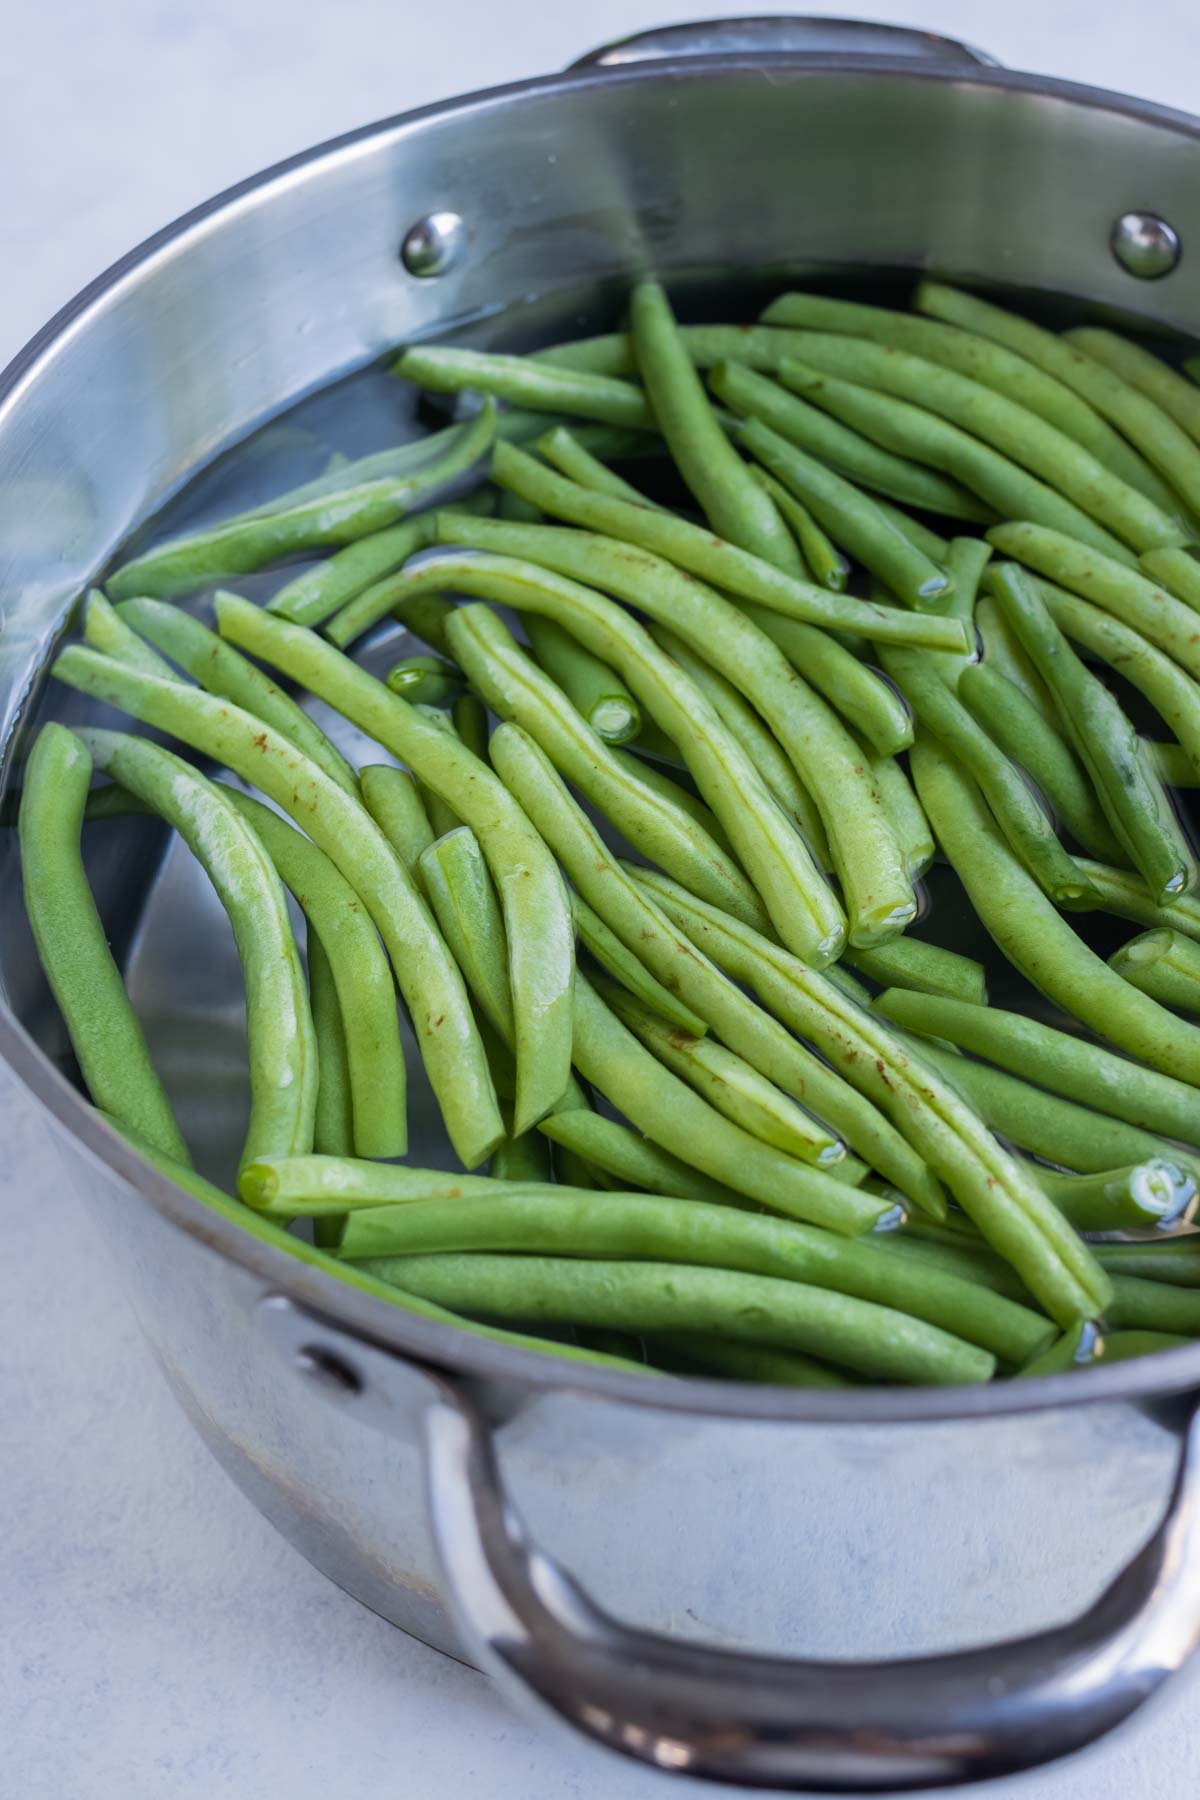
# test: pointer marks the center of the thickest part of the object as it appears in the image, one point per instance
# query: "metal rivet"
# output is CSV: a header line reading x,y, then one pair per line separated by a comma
x,y
328,1371
434,244
1145,245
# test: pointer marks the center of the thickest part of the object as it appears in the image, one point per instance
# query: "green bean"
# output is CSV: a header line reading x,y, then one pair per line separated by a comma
x,y
239,548
1104,739
841,449
447,369
912,431
861,696
655,824
732,1087
469,715
427,974
985,361
1047,1125
634,1160
1055,1059
279,1028
520,1159
733,503
818,553
1172,763
1126,895
904,810
1003,652
424,680
694,1353
726,566
1121,1346
613,354
511,506
371,604
996,1192
1075,1349
1008,427
333,1123
459,887
1141,1305
652,775
1033,937
797,899
966,559
648,1297
911,963
851,517
1160,618
220,670
536,913
592,688
1145,424
1174,1260
1165,965
666,951
563,449
1143,1197
104,629
955,1255
359,970
73,946
757,741
629,970
1141,369
1177,570
1024,824
1014,722
371,1194
879,896
393,800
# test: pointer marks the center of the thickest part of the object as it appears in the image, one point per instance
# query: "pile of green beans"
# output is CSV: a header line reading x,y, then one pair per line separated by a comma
x,y
644,871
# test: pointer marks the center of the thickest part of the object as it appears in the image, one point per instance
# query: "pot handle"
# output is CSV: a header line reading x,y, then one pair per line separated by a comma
x,y
787,35
802,1726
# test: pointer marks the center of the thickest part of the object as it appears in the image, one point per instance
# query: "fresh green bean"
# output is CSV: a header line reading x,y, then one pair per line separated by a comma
x,y
592,688
995,1191
1165,965
1000,421
1161,619
424,680
239,548
633,1160
851,687
1173,764
536,912
279,1027
904,810
851,517
911,963
800,904
723,564
631,972
1177,570
692,1352
985,361
653,775
845,451
220,670
1075,1349
520,1159
104,629
819,554
427,974
878,893
966,559
447,369
1026,828
563,450
1175,1260
1003,652
1055,1059
73,946
371,604
1145,424
1014,722
1141,369
654,823
1140,1305
292,1187
732,1087
359,970
1121,1346
333,1122
470,719
758,742
731,500
1126,896
649,1297
1033,937
459,887
1143,1197
667,952
392,798
912,431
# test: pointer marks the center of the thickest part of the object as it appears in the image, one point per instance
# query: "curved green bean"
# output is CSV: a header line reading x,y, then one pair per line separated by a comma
x,y
534,901
1141,369
1177,570
652,775
72,945
1165,965
649,1297
563,450
279,1029
426,972
911,963
220,670
1124,894
104,629
723,564
631,972
1143,1197
818,553
729,497
593,689
851,687
633,1160
522,381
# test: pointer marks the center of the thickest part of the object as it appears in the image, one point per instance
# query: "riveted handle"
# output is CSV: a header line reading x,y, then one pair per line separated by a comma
x,y
787,35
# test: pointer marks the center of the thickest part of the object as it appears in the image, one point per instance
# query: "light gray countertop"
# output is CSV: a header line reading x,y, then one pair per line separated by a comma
x,y
159,1641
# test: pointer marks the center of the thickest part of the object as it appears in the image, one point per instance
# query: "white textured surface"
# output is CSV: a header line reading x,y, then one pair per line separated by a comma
x,y
158,1641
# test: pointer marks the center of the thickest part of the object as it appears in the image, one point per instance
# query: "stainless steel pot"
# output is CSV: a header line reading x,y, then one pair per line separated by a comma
x,y
447,1482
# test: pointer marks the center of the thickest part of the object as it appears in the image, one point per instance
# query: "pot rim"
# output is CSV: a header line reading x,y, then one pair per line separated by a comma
x,y
390,1326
